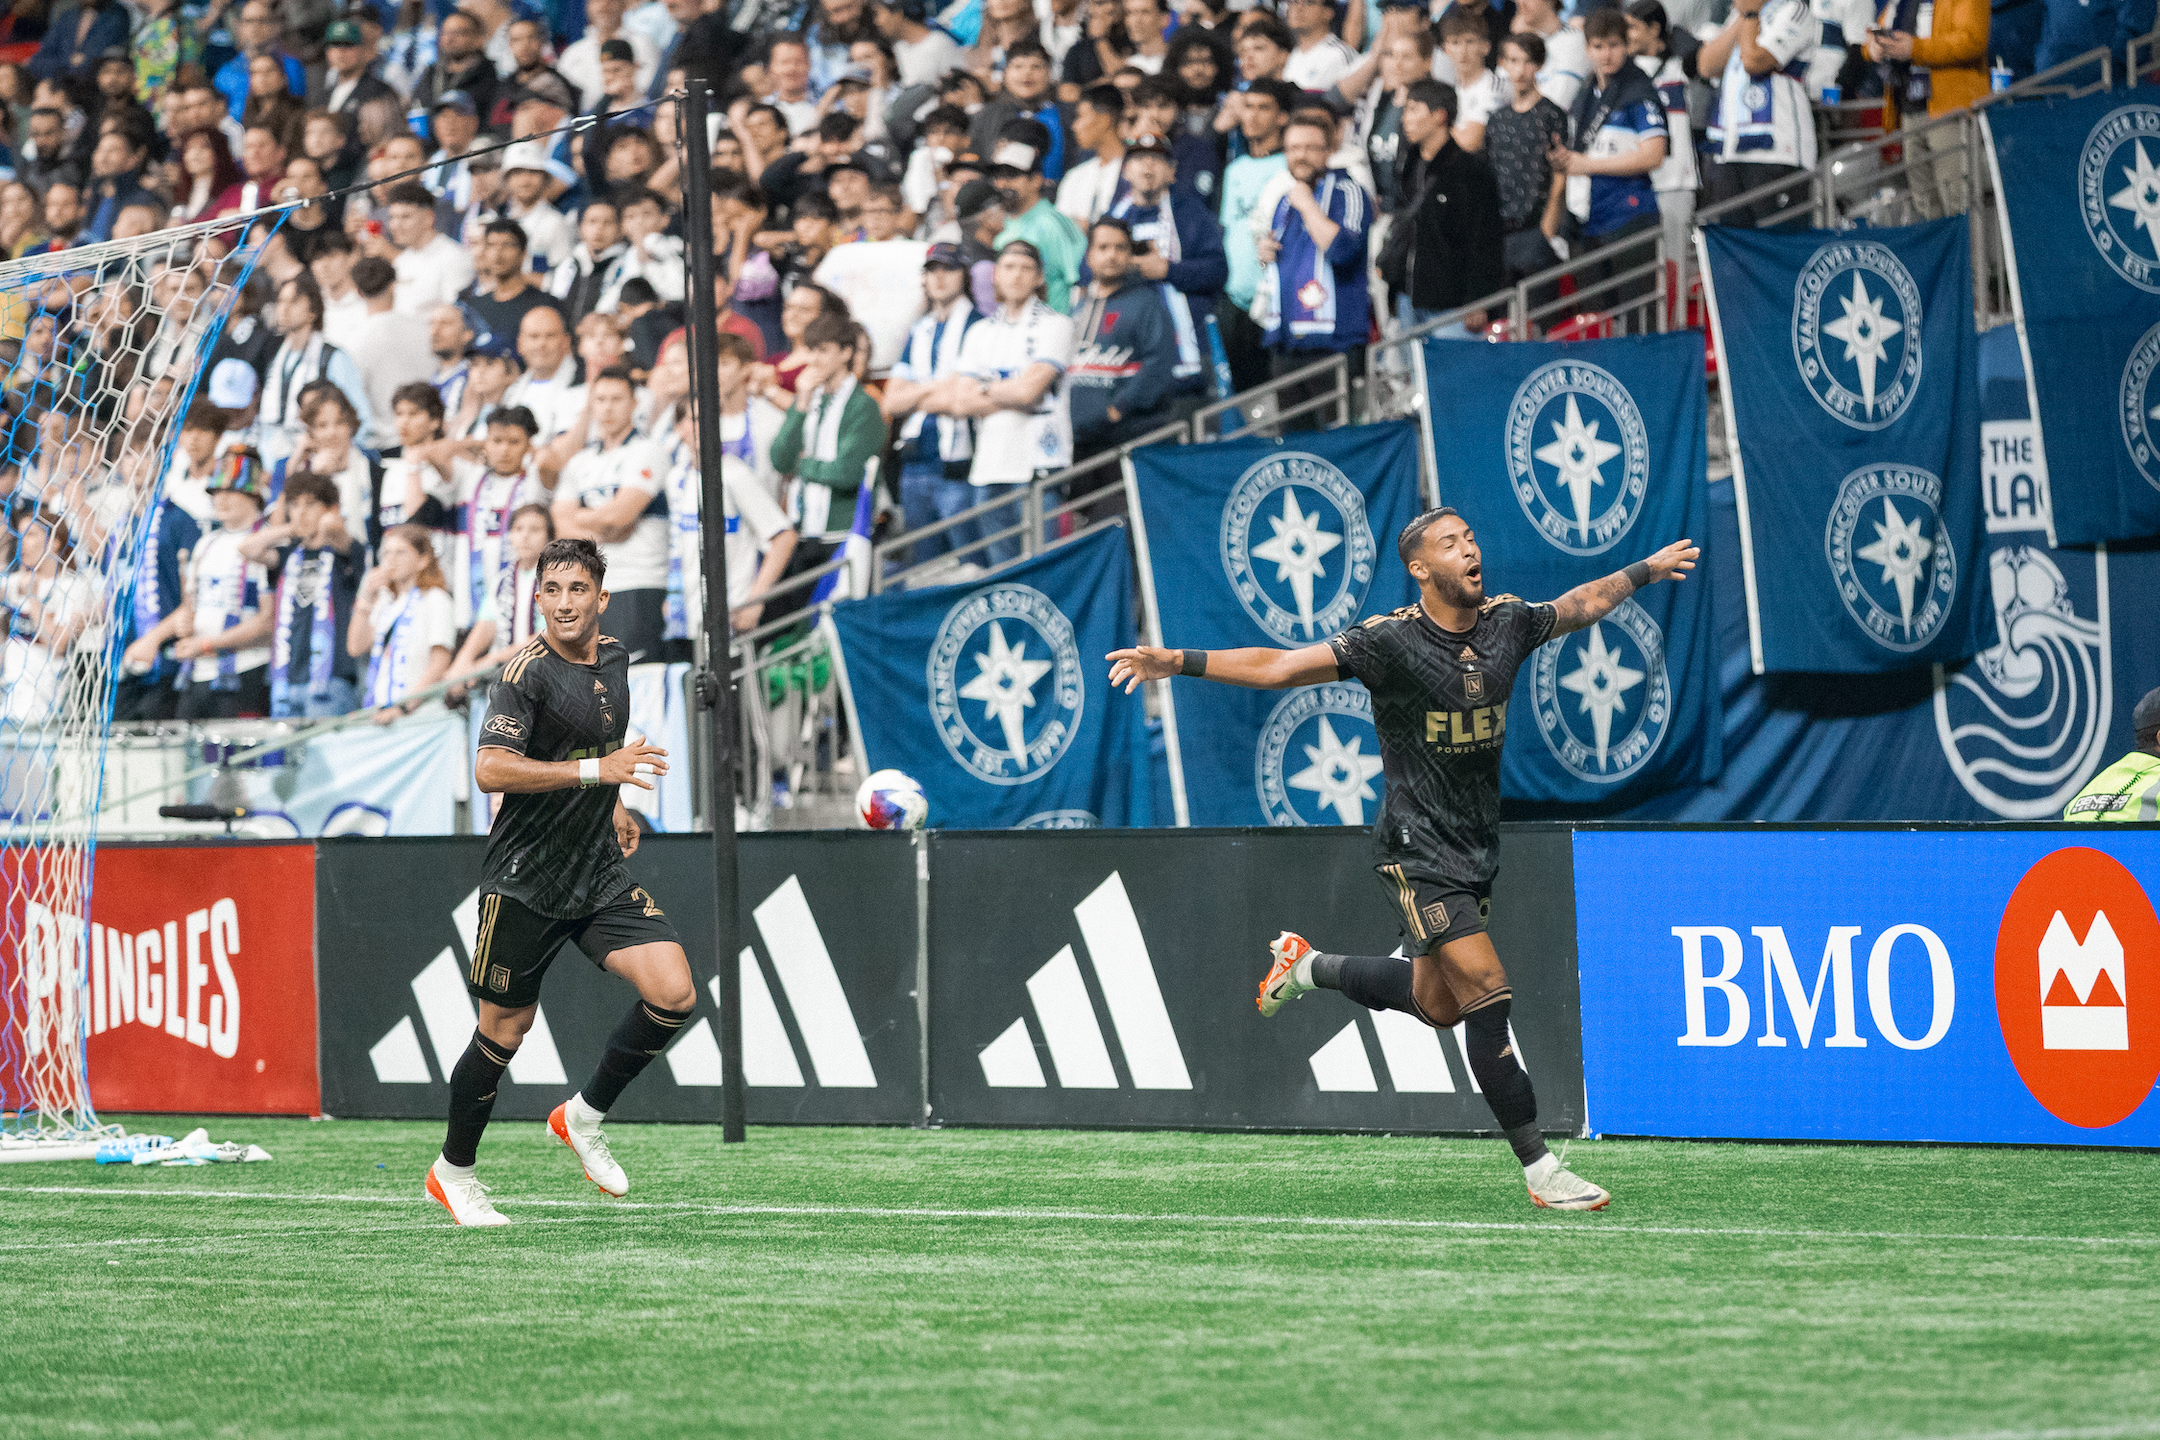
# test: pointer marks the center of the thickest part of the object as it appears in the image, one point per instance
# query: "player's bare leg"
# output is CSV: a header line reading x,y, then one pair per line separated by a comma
x,y
667,997
451,1181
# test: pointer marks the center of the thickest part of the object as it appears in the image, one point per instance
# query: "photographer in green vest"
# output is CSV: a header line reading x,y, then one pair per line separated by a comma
x,y
2128,790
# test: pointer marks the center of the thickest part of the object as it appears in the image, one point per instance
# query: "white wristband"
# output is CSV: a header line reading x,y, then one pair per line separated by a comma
x,y
588,773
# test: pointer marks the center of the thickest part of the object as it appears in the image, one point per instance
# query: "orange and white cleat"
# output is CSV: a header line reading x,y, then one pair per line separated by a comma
x,y
589,1145
1555,1187
1283,983
464,1197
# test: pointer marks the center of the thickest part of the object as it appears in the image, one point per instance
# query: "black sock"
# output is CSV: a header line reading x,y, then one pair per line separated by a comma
x,y
473,1082
643,1033
1378,982
1505,1083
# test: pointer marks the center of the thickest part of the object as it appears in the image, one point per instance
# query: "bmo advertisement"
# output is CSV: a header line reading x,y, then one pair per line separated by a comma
x,y
1967,985
200,972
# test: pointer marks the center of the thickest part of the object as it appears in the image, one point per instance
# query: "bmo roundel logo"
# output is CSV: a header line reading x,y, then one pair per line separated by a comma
x,y
2077,987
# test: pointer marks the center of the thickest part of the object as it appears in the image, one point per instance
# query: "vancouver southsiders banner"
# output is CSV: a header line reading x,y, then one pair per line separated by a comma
x,y
1853,405
2080,187
1571,461
995,696
1276,543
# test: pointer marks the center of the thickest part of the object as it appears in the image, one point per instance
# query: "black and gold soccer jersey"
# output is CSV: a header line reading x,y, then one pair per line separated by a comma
x,y
556,852
1440,704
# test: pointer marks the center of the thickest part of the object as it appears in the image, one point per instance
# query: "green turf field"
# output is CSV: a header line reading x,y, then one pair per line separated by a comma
x,y
934,1283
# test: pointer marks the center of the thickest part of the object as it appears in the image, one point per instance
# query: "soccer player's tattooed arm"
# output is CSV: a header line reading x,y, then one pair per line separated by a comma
x,y
1589,603
1255,669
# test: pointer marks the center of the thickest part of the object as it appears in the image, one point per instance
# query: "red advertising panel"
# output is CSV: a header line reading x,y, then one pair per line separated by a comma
x,y
202,980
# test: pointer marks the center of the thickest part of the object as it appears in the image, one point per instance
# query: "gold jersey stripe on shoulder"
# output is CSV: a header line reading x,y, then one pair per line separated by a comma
x,y
1493,600
609,640
514,671
1408,612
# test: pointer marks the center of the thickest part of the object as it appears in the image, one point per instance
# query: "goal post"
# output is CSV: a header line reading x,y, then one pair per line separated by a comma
x,y
102,350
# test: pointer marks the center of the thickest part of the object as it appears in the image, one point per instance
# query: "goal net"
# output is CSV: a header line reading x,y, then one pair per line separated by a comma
x,y
102,349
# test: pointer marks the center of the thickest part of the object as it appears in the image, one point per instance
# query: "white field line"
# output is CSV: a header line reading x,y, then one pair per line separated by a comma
x,y
1584,1226
226,1238
2073,1432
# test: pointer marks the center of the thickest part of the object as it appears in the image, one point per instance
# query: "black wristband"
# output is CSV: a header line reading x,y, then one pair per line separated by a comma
x,y
1195,662
1638,574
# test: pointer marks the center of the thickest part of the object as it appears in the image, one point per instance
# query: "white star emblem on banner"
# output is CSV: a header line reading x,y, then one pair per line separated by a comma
x,y
1864,329
1006,686
1297,548
1579,455
2141,197
1902,551
1602,682
1339,774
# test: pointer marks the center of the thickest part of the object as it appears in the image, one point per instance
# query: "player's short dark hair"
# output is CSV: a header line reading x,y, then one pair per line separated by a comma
x,y
517,415
1532,46
1413,534
1607,24
1433,95
421,396
307,485
579,552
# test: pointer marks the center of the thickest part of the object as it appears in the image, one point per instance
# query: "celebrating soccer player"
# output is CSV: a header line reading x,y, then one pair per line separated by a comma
x,y
1440,672
553,745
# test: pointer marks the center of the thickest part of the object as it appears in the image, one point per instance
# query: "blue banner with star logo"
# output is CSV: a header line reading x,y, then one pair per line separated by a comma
x,y
1571,461
995,697
2080,185
1279,543
1852,392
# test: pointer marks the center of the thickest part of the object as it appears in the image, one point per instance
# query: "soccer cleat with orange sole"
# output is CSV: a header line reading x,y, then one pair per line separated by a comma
x,y
466,1199
1553,1186
1282,984
591,1149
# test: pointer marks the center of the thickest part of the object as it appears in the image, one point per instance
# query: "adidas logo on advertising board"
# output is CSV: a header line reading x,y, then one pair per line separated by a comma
x,y
1065,1013
808,980
1416,1062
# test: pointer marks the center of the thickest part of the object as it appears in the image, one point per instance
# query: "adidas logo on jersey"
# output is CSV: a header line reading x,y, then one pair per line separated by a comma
x,y
1065,1012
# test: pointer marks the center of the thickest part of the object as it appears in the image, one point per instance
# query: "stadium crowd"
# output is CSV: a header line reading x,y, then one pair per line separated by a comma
x,y
956,248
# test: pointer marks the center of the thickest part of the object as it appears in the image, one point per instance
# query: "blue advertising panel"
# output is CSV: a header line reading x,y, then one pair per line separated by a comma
x,y
1972,986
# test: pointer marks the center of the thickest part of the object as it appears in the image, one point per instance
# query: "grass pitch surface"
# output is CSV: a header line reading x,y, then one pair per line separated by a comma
x,y
897,1283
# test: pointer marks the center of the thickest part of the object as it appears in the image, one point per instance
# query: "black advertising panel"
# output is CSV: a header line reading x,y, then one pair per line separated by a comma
x,y
1096,977
829,951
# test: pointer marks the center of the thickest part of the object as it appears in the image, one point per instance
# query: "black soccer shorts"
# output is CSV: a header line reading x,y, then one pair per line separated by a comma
x,y
1434,912
514,945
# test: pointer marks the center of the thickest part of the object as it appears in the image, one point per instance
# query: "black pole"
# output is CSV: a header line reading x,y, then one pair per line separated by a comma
x,y
715,688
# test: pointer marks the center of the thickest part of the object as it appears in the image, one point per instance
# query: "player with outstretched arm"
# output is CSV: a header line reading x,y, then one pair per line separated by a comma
x,y
554,745
1440,672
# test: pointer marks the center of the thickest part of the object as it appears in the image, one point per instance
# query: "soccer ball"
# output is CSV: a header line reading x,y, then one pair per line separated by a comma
x,y
889,800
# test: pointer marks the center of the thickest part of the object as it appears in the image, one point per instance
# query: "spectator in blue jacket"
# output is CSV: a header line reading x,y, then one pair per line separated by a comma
x,y
1125,349
1313,300
1179,246
77,36
256,33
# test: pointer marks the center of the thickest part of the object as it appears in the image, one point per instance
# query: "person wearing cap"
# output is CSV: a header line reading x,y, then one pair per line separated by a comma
x,y
620,88
1313,299
493,366
924,52
1011,384
349,81
1176,244
455,122
527,174
1016,167
1126,349
235,388
935,450
2129,790
221,633
580,60
460,64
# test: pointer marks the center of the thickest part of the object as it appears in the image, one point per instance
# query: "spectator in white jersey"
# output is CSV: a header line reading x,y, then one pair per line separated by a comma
x,y
510,613
610,493
221,632
389,349
402,623
1763,130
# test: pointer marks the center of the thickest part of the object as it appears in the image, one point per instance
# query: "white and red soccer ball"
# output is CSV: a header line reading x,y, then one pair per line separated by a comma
x,y
890,800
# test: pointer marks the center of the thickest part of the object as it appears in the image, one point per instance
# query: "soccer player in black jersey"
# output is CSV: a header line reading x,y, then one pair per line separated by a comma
x,y
554,745
1440,672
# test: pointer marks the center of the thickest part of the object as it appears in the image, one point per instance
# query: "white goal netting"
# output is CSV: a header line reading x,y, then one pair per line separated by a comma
x,y
102,349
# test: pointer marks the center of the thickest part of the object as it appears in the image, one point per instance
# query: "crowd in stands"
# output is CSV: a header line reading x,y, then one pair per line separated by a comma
x,y
957,249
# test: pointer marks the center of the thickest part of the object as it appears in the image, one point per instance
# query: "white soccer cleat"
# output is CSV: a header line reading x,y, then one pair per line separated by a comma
x,y
1554,1187
591,1149
1282,983
464,1197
